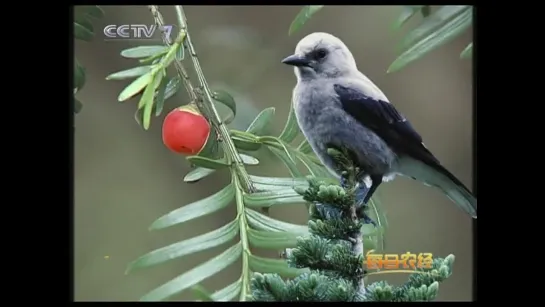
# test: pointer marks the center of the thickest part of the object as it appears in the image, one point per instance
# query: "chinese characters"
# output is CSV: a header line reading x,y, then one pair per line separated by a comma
x,y
396,261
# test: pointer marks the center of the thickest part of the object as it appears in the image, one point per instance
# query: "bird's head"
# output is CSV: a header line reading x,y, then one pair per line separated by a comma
x,y
321,55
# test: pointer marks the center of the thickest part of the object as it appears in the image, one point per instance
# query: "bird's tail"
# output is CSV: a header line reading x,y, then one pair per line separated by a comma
x,y
439,177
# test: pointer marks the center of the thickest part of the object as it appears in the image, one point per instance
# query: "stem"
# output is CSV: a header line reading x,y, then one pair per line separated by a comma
x,y
246,252
223,131
357,249
203,97
356,238
159,21
182,72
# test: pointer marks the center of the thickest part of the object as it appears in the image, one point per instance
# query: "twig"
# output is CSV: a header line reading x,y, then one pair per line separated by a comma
x,y
196,95
357,248
159,21
351,177
228,144
229,148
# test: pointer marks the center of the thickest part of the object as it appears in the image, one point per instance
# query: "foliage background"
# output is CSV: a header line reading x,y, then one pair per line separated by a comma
x,y
125,178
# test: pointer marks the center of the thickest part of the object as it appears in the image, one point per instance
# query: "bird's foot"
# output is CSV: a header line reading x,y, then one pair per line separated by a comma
x,y
368,220
343,182
362,214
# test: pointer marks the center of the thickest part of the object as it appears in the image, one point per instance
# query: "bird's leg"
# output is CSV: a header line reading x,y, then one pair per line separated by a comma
x,y
363,194
360,193
377,180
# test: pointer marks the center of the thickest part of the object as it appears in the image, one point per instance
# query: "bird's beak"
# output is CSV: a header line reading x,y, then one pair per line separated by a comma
x,y
296,60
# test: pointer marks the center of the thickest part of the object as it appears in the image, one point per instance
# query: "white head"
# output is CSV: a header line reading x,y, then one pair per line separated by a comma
x,y
321,55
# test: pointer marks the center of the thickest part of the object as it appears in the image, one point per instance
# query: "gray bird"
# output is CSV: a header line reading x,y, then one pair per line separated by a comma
x,y
337,106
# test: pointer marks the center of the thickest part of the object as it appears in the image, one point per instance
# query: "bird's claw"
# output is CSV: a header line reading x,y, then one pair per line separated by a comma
x,y
343,182
368,220
361,193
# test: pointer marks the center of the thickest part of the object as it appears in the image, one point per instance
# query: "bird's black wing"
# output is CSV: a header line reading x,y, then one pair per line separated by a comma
x,y
383,119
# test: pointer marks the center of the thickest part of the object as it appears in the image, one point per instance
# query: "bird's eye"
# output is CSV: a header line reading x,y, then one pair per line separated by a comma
x,y
320,54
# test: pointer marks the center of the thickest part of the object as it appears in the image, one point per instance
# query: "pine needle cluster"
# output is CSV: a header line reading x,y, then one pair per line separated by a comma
x,y
334,253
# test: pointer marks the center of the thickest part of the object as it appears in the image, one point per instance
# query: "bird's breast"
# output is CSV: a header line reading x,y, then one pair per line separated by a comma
x,y
311,102
331,125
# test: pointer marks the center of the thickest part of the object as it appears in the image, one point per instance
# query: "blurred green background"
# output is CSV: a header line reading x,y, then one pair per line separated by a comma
x,y
125,178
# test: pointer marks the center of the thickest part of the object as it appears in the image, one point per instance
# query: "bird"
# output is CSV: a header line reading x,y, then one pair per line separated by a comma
x,y
337,106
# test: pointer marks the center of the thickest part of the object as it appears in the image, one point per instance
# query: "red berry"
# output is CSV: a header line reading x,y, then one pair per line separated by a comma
x,y
185,130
